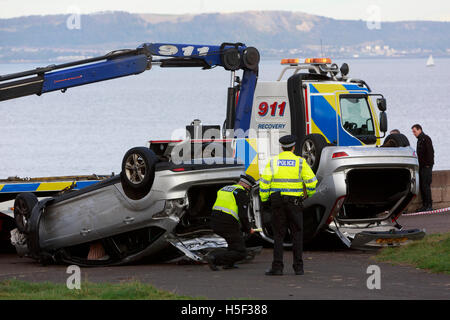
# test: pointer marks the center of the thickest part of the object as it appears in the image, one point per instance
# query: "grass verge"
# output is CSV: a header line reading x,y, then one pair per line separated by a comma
x,y
431,253
21,290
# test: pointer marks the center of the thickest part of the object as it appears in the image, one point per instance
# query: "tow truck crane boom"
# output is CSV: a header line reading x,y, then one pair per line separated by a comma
x,y
121,63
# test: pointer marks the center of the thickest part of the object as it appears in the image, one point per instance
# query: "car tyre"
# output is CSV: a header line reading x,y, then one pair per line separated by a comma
x,y
23,206
138,172
311,149
396,140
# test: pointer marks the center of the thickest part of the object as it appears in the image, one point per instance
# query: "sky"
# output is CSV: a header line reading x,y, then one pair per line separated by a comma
x,y
386,10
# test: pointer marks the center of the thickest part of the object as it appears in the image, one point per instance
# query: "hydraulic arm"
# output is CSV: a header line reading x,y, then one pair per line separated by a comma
x,y
121,63
126,62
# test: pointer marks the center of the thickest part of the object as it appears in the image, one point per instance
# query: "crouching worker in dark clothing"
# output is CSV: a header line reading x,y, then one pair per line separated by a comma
x,y
229,219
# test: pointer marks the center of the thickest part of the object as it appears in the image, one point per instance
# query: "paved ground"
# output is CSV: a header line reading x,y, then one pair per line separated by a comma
x,y
431,223
338,274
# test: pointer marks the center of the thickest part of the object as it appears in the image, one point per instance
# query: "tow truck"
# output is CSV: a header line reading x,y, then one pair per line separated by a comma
x,y
164,193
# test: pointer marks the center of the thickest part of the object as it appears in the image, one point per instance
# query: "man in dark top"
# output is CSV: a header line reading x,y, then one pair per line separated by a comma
x,y
425,153
228,219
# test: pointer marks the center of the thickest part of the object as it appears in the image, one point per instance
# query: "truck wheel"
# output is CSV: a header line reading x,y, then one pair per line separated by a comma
x,y
138,172
311,149
23,205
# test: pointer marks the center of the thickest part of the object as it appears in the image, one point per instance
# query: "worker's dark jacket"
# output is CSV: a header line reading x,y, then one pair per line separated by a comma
x,y
425,151
242,199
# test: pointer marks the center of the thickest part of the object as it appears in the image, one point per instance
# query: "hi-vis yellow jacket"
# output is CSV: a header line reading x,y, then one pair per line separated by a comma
x,y
226,201
287,173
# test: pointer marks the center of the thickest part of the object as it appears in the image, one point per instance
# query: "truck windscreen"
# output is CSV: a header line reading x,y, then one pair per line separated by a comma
x,y
356,117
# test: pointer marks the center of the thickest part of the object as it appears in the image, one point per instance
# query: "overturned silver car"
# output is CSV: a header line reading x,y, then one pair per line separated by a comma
x,y
361,193
137,214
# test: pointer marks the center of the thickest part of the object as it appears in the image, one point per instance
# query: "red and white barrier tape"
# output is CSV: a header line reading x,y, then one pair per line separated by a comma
x,y
443,210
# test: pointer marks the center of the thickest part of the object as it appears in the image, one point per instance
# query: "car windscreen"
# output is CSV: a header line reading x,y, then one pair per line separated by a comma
x,y
356,116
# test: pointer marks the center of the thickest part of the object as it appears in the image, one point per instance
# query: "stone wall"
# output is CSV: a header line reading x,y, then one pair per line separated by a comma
x,y
440,189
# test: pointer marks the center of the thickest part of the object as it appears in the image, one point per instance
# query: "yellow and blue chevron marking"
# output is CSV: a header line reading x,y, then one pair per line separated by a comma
x,y
44,186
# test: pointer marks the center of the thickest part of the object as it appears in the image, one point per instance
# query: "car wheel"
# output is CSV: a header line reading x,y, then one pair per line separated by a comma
x,y
396,140
311,149
138,172
23,205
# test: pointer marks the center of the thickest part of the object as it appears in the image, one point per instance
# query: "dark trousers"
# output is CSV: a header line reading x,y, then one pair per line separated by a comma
x,y
228,228
287,216
425,179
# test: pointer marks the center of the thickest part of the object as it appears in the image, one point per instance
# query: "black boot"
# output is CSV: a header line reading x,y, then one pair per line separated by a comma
x,y
211,263
272,272
422,209
299,272
298,269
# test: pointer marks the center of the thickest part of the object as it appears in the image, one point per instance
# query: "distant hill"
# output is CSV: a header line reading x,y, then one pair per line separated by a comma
x,y
275,33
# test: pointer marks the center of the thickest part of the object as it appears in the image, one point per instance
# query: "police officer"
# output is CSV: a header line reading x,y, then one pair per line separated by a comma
x,y
284,181
228,219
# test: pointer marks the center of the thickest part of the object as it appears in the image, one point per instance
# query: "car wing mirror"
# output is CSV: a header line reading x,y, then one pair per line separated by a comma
x,y
383,123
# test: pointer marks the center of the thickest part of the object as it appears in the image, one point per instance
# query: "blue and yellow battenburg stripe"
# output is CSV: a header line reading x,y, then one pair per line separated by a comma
x,y
44,186
324,98
246,151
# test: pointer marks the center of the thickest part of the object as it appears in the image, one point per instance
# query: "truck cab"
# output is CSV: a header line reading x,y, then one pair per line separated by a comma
x,y
317,107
